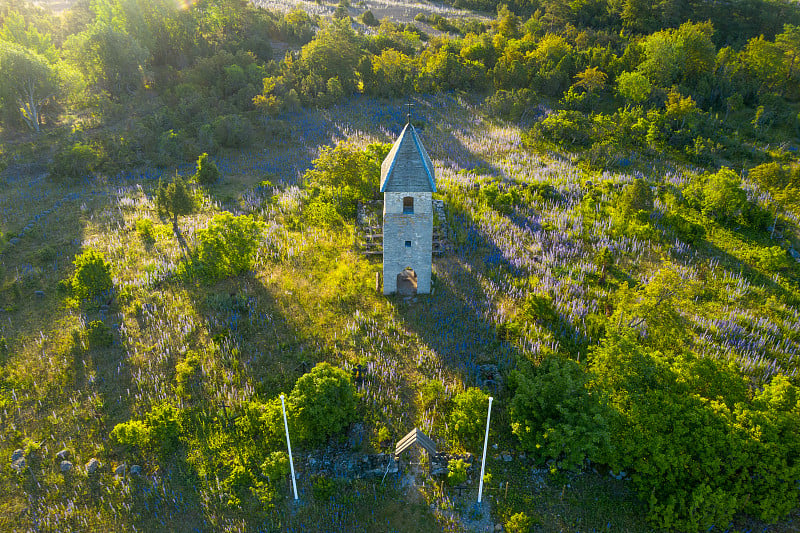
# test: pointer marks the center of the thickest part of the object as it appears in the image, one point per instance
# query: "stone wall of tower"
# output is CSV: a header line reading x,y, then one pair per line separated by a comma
x,y
399,228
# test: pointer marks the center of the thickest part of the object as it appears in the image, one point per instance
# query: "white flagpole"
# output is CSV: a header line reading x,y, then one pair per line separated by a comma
x,y
289,445
485,444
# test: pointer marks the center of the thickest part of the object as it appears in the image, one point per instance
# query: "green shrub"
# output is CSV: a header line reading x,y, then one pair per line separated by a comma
x,y
555,416
686,230
92,274
637,200
145,230
232,131
468,418
207,172
75,162
456,472
323,488
723,197
518,523
159,432
276,466
322,403
174,199
228,246
699,449
98,335
368,19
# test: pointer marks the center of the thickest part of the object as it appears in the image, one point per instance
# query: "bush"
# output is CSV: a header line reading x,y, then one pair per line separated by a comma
x,y
518,523
207,172
723,197
686,230
74,163
159,432
92,274
232,131
554,415
456,472
368,19
228,246
637,200
98,335
699,448
468,419
322,403
144,227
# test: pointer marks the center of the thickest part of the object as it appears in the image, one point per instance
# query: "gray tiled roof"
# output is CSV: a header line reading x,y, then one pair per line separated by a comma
x,y
407,168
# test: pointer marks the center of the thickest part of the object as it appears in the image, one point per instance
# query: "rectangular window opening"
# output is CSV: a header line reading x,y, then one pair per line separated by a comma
x,y
408,244
408,205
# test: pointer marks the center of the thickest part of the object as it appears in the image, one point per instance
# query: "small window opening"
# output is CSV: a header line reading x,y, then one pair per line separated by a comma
x,y
408,244
408,205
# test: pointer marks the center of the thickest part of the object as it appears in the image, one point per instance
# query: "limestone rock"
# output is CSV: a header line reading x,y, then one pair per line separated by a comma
x,y
63,455
136,470
19,465
66,466
18,453
93,465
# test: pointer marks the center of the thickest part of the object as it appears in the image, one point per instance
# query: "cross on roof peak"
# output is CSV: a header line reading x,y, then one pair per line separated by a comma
x,y
408,108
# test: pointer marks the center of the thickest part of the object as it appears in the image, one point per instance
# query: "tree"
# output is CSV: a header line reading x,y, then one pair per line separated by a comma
x,y
591,79
92,275
175,199
207,172
467,421
28,83
228,246
111,59
723,196
637,199
322,403
633,87
554,416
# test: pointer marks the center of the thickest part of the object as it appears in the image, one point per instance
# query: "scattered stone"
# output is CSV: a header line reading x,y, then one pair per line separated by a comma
x,y
92,466
494,446
19,465
66,466
17,454
522,456
136,470
795,254
63,455
506,457
39,294
498,527
14,241
120,470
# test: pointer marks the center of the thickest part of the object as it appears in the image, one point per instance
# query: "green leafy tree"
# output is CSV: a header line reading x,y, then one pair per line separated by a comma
x,y
634,87
27,85
112,59
554,416
322,403
723,196
468,417
228,246
92,275
207,172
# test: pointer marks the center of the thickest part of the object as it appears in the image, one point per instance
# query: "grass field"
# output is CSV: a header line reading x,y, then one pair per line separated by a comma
x,y
312,297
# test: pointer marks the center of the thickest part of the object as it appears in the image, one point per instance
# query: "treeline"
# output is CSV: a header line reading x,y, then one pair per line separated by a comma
x,y
736,21
179,82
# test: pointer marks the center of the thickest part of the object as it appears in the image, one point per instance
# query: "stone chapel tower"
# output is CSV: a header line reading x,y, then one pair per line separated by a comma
x,y
407,183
